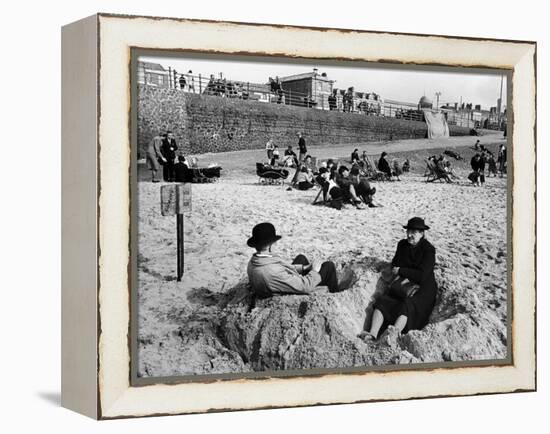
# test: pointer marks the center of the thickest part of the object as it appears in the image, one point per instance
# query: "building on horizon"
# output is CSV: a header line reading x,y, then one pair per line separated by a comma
x,y
152,74
473,116
309,89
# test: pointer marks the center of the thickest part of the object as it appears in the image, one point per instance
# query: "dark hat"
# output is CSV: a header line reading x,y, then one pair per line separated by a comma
x,y
263,233
384,154
342,169
416,223
323,170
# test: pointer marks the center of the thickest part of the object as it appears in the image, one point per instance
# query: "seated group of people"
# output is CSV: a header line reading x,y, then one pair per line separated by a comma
x,y
289,159
391,172
412,289
443,167
340,184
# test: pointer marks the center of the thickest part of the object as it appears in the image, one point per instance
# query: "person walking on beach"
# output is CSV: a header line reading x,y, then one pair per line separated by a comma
x,y
275,159
269,148
269,275
302,147
290,157
169,148
482,164
501,159
475,165
154,157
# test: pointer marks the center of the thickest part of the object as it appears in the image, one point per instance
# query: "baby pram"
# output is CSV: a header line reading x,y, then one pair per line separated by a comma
x,y
210,172
270,175
197,175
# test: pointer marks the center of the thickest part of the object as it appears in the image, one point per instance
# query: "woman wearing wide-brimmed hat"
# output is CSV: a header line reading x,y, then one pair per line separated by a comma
x,y
269,275
412,287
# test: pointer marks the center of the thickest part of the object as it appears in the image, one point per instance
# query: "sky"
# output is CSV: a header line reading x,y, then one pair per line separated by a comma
x,y
401,84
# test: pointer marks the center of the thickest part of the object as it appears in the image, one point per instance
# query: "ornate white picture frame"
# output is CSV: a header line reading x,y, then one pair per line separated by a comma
x,y
96,212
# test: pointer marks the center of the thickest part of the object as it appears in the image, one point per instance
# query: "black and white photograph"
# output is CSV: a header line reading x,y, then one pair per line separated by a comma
x,y
295,216
278,217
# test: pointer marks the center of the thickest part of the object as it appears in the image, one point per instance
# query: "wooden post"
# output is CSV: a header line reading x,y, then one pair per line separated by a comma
x,y
175,199
179,223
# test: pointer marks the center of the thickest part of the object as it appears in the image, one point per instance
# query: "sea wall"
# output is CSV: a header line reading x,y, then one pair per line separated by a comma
x,y
203,123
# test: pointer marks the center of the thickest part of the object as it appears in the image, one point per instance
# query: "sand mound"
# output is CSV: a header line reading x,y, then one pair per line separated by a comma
x,y
232,332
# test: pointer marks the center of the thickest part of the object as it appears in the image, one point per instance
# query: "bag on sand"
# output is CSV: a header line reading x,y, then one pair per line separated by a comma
x,y
401,287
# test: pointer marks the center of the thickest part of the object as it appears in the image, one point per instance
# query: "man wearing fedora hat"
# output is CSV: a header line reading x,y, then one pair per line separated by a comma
x,y
412,265
269,275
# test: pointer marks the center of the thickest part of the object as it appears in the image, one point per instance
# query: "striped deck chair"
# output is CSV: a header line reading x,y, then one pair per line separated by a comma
x,y
435,173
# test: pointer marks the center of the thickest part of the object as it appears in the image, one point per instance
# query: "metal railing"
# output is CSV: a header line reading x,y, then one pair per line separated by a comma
x,y
340,100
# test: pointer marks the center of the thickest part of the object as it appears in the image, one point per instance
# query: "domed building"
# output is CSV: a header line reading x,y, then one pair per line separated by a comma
x,y
425,103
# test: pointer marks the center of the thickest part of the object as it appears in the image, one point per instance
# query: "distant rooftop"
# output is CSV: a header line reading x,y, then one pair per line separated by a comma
x,y
152,66
303,76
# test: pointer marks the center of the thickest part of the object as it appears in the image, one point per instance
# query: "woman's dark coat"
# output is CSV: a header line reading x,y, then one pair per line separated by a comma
x,y
417,264
384,166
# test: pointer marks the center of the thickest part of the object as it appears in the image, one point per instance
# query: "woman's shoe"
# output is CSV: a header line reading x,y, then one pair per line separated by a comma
x,y
366,336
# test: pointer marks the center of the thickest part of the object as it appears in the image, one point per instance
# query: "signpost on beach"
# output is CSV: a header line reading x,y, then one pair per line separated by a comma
x,y
175,199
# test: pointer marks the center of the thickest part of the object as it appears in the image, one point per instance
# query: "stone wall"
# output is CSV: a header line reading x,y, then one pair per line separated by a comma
x,y
213,124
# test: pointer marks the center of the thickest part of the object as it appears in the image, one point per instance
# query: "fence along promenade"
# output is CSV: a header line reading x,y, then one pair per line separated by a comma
x,y
360,103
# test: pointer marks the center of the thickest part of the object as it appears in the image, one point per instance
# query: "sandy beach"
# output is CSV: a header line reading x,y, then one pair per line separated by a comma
x,y
181,324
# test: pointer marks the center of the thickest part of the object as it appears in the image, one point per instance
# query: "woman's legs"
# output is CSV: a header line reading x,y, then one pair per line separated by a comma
x,y
376,323
400,323
378,320
353,194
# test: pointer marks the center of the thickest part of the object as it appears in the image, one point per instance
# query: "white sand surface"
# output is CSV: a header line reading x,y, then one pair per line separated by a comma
x,y
468,229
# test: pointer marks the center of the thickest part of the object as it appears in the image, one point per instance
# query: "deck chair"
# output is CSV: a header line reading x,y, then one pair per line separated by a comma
x,y
435,173
318,201
376,175
270,175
